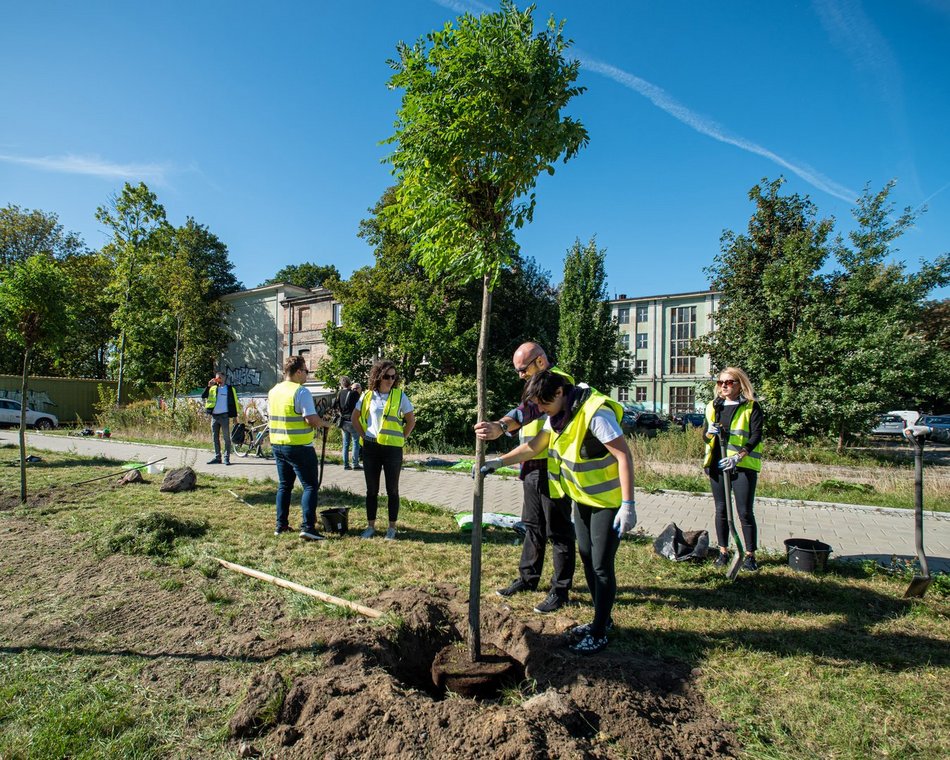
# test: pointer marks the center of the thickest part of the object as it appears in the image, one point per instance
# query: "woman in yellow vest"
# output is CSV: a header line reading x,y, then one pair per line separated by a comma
x,y
383,418
292,418
589,461
735,415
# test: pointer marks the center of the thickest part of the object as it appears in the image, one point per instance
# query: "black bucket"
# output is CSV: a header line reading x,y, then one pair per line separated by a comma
x,y
806,555
335,520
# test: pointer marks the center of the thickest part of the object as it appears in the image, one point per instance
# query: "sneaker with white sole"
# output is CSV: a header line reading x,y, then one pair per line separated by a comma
x,y
517,586
368,533
552,602
282,529
578,632
312,535
589,645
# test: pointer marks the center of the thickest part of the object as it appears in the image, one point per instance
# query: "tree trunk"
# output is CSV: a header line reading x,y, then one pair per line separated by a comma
x,y
175,373
475,581
23,390
118,396
841,437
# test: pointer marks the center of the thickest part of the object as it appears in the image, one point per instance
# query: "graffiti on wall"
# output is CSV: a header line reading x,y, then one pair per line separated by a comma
x,y
39,401
243,376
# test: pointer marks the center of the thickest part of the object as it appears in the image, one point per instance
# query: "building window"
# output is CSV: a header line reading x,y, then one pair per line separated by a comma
x,y
623,364
303,319
640,366
641,340
682,334
682,400
642,313
623,394
625,341
623,315
337,315
641,393
305,353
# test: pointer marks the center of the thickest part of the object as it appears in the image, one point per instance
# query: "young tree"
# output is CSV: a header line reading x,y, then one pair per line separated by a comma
x,y
306,275
480,119
34,298
589,339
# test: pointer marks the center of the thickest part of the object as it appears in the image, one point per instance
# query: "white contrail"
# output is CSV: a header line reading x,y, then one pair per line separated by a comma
x,y
710,128
463,6
92,166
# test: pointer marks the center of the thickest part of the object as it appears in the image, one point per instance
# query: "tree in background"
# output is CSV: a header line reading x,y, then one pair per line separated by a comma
x,y
827,351
588,338
135,218
84,351
34,311
480,119
305,275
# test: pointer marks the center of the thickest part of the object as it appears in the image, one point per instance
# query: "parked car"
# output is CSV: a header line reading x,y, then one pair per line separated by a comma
x,y
10,415
889,424
939,424
909,416
643,423
689,419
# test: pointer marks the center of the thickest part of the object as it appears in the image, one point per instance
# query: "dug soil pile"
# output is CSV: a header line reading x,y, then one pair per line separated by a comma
x,y
371,694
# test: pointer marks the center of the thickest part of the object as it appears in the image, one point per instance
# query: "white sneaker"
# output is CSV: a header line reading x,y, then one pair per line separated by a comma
x,y
368,533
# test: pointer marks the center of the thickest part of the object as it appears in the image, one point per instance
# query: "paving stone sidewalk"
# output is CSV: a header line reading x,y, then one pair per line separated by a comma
x,y
852,531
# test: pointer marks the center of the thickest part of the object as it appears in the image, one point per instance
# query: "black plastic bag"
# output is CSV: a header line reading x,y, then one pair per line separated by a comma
x,y
678,546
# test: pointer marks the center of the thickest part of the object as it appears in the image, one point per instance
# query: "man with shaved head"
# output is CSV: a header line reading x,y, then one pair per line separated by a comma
x,y
544,518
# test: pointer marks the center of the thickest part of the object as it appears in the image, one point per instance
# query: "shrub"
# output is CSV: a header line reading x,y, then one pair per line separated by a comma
x,y
446,411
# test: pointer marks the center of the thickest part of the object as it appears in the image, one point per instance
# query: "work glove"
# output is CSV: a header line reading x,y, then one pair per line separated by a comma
x,y
626,518
913,431
728,464
713,429
489,467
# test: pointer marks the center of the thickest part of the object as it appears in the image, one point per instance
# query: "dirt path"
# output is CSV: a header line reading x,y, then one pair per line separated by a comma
x,y
371,695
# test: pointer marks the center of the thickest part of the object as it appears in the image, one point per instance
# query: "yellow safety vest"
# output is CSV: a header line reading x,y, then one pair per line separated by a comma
x,y
393,423
594,482
527,432
287,427
213,398
738,437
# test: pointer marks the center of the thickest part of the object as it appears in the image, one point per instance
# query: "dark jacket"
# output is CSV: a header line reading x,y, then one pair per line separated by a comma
x,y
232,399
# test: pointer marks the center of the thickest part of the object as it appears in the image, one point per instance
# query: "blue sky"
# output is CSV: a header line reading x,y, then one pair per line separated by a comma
x,y
263,121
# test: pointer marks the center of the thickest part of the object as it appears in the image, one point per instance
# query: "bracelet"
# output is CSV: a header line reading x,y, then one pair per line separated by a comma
x,y
631,502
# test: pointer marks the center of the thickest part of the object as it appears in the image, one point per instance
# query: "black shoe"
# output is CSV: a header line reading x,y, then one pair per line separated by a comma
x,y
283,529
589,645
216,460
552,602
516,587
347,467
227,462
721,560
312,535
578,632
749,564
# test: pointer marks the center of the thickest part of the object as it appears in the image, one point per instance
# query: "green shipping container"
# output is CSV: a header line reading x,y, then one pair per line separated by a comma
x,y
70,399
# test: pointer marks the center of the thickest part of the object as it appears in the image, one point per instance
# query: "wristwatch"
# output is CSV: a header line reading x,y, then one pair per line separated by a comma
x,y
504,426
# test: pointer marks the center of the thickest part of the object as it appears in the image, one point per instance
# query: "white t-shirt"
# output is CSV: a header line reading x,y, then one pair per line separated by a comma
x,y
303,403
377,404
603,425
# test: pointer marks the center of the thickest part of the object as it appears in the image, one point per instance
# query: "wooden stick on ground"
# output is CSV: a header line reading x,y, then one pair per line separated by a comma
x,y
239,498
367,611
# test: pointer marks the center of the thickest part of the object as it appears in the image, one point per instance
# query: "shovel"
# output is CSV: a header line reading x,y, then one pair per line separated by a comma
x,y
733,570
918,586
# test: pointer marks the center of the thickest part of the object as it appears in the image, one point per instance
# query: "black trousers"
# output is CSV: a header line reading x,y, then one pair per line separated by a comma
x,y
743,494
597,543
546,519
379,459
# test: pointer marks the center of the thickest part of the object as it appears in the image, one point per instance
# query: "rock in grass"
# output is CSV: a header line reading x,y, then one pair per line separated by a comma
x,y
132,476
181,479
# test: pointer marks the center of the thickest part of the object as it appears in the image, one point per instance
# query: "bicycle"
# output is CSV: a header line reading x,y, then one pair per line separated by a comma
x,y
248,440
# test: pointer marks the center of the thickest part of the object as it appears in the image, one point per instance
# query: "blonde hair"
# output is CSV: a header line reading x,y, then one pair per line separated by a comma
x,y
744,383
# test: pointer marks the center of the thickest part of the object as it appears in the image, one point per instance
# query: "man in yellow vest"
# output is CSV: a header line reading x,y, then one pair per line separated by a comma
x,y
221,403
292,418
543,517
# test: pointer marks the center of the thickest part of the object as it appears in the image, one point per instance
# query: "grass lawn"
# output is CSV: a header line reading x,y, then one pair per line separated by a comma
x,y
830,666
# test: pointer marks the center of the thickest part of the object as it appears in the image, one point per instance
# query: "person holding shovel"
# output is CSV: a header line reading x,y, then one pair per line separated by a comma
x,y
544,518
292,419
736,417
590,462
383,419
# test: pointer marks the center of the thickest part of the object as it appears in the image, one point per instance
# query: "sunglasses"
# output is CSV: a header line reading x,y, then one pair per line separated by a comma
x,y
390,376
522,370
727,382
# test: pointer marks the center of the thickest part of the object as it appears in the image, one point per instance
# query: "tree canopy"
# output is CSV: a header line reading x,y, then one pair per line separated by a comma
x,y
306,275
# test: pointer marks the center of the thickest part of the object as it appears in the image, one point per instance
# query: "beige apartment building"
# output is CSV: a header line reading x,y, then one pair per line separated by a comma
x,y
658,331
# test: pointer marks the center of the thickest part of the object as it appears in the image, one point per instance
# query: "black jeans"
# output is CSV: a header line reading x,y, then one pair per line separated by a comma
x,y
377,459
743,494
546,518
597,542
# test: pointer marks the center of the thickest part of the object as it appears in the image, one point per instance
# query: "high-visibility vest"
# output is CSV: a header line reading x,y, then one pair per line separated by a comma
x,y
287,426
391,433
594,482
527,432
738,437
213,398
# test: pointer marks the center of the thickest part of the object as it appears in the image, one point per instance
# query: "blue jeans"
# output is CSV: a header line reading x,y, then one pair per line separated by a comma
x,y
296,462
350,436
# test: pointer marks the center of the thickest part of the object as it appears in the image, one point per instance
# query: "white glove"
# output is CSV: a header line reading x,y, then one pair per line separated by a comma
x,y
912,431
489,467
713,429
626,518
728,464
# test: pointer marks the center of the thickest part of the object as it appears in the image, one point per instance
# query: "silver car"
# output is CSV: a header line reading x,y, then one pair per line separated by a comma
x,y
889,424
10,415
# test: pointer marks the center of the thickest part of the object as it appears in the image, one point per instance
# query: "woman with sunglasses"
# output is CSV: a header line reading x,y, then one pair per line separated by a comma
x,y
383,419
737,417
